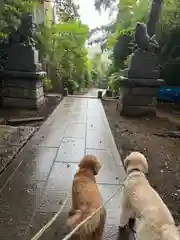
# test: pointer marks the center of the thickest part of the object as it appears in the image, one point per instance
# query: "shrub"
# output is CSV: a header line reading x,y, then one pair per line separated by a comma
x,y
113,83
47,85
72,86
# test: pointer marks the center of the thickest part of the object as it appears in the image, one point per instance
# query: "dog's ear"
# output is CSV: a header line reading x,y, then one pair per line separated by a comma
x,y
90,162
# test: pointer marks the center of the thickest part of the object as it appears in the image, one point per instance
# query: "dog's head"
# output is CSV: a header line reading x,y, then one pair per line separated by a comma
x,y
136,161
90,162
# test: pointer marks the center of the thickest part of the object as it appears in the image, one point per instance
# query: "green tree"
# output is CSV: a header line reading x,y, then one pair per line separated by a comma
x,y
67,10
98,69
168,34
62,47
10,14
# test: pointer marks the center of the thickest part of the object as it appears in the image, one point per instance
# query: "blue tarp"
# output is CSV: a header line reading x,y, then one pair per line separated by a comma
x,y
169,93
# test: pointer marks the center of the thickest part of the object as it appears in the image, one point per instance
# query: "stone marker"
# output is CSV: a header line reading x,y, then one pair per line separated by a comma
x,y
140,83
65,92
21,76
100,94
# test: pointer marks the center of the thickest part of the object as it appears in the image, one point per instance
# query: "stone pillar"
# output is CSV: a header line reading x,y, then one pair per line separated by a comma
x,y
22,73
22,89
139,85
99,95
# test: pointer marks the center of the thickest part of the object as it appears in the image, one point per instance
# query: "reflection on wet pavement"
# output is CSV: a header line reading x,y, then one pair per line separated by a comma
x,y
42,173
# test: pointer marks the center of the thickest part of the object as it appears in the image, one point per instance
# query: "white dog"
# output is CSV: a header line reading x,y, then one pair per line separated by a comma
x,y
140,200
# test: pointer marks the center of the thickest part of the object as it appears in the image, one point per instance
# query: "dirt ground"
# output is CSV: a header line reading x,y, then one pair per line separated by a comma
x,y
163,153
51,101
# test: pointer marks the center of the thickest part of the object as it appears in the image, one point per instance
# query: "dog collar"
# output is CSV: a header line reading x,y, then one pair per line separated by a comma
x,y
134,170
137,170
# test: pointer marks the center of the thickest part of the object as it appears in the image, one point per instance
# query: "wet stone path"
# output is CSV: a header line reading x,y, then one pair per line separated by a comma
x,y
41,174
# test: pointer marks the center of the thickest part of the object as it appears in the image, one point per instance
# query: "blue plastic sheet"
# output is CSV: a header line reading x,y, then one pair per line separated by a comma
x,y
167,93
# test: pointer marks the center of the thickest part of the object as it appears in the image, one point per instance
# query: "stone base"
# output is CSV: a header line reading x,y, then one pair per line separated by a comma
x,y
15,92
22,93
9,102
139,85
138,111
137,101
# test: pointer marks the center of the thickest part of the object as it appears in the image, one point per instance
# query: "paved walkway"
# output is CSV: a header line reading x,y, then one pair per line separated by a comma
x,y
43,171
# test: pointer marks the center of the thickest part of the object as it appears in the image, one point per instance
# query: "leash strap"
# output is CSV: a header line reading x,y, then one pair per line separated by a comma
x,y
42,230
68,236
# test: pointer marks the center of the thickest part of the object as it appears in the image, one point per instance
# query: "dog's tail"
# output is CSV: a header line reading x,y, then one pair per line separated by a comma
x,y
90,225
74,219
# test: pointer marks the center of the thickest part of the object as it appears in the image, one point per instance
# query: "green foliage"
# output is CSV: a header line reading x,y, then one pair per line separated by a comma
x,y
104,4
168,34
126,62
47,84
10,14
168,31
113,82
129,13
98,69
62,47
67,10
72,86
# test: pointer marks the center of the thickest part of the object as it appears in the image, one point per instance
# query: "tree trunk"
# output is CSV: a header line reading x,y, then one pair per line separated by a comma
x,y
153,16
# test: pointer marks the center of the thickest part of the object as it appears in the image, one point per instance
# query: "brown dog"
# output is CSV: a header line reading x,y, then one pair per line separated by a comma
x,y
86,199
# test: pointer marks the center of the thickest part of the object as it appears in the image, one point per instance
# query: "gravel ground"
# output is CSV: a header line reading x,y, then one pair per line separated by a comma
x,y
163,153
51,102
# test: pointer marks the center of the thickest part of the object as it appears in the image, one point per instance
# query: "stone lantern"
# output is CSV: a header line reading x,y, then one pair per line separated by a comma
x,y
140,81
